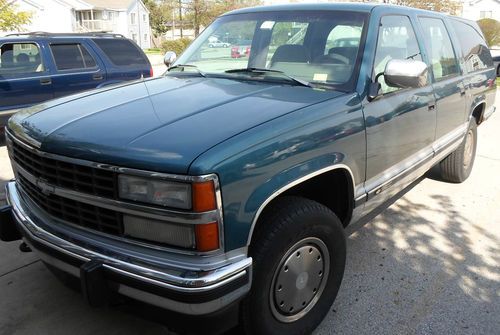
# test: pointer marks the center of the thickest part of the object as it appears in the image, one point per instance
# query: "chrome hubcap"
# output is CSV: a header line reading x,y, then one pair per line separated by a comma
x,y
468,149
299,280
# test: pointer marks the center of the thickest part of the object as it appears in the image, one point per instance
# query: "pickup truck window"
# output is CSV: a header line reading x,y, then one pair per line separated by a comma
x,y
296,43
396,40
474,49
71,56
20,58
438,44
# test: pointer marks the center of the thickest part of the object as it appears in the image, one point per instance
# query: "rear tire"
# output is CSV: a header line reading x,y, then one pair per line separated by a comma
x,y
299,258
457,167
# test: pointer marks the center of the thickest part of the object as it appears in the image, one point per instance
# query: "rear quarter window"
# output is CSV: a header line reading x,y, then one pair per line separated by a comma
x,y
121,52
474,49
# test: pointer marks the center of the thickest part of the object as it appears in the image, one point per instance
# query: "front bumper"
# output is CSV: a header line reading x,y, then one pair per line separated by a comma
x,y
192,292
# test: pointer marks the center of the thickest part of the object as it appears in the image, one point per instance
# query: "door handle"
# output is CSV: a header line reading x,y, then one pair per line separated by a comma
x,y
45,81
97,76
431,107
462,93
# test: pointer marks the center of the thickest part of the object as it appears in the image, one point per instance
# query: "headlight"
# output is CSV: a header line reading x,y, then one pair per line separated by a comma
x,y
157,192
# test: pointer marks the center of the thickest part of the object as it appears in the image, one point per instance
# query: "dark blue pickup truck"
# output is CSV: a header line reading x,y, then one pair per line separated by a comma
x,y
35,67
225,185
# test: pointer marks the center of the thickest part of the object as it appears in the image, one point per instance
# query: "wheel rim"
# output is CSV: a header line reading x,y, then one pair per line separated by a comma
x,y
468,149
299,280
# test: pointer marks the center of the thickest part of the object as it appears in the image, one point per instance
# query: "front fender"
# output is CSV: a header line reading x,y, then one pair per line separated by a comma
x,y
257,165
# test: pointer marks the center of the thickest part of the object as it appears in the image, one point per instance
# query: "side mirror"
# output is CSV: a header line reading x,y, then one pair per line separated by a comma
x,y
405,73
169,58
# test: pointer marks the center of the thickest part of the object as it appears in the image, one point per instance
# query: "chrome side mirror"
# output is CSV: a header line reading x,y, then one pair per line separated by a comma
x,y
169,58
405,73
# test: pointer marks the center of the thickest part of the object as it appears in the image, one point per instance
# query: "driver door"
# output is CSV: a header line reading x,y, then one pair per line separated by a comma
x,y
400,123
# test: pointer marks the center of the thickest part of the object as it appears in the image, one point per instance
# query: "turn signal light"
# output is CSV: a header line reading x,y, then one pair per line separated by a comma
x,y
207,237
204,199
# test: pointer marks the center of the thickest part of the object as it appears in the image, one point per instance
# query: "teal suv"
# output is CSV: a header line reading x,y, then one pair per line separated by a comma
x,y
224,186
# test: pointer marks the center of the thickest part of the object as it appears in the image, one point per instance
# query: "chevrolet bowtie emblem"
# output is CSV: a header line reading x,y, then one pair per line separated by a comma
x,y
45,187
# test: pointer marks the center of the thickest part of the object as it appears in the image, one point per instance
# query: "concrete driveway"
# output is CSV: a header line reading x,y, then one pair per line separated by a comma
x,y
429,264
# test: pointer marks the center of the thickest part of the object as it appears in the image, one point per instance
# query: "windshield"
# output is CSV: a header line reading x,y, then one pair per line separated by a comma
x,y
317,48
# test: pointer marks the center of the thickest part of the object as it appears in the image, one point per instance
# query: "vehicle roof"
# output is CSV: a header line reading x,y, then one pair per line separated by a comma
x,y
364,7
54,36
347,6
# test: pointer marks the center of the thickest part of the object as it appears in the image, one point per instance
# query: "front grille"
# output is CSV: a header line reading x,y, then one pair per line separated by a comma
x,y
67,175
74,212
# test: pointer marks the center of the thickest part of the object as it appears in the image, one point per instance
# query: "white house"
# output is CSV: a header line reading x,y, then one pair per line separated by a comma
x,y
481,9
127,17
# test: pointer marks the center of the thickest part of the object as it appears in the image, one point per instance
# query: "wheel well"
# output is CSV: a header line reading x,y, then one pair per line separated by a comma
x,y
333,189
477,113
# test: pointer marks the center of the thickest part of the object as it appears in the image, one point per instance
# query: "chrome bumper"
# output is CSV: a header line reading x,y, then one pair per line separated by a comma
x,y
187,292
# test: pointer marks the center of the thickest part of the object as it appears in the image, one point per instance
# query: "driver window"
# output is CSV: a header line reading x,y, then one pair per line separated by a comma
x,y
396,40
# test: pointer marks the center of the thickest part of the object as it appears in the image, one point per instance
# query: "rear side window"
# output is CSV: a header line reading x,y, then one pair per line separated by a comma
x,y
438,44
19,58
476,54
396,40
71,56
121,52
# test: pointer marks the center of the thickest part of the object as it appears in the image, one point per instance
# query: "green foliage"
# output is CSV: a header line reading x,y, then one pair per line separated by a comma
x,y
178,45
10,18
160,12
491,31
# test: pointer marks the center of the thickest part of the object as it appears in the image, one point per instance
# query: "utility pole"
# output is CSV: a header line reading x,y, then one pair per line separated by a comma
x,y
180,17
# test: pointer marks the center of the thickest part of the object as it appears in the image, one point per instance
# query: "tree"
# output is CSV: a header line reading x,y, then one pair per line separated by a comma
x,y
10,18
203,12
491,31
444,6
160,13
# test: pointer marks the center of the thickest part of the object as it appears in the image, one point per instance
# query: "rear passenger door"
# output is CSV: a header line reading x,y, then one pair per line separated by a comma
x,y
448,85
400,123
77,68
24,76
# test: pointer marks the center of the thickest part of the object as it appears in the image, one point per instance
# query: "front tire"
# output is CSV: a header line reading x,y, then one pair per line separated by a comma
x,y
299,259
457,167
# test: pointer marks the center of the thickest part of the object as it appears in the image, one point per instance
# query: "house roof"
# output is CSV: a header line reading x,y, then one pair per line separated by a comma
x,y
109,4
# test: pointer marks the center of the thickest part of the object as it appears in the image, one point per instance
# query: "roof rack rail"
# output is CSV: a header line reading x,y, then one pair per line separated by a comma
x,y
93,34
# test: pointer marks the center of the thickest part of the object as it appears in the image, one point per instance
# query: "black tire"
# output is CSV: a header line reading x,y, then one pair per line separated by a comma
x,y
289,221
457,167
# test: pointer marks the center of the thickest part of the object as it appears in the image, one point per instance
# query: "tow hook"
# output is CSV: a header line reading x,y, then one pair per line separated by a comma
x,y
24,247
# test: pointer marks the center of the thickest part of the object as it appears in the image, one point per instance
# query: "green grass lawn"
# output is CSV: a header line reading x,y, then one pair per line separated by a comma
x,y
153,51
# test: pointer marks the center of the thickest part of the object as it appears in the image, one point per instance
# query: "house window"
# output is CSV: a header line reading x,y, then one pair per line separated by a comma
x,y
145,37
134,37
143,17
486,14
132,18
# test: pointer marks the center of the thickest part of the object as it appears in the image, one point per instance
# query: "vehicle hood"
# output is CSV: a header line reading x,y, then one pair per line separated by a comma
x,y
161,124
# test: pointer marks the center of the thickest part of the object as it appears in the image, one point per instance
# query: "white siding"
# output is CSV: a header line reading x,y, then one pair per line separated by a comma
x,y
140,29
476,10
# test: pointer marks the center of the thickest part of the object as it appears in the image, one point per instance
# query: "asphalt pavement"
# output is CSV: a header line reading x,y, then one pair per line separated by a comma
x,y
428,264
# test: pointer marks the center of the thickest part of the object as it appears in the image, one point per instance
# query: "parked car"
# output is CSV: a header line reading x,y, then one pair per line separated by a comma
x,y
223,192
35,67
218,44
242,49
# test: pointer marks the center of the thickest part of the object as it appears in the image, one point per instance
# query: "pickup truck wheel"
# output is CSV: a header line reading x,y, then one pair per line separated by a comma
x,y
299,260
457,167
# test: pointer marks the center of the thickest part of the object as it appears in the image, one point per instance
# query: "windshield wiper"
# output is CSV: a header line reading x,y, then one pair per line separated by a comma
x,y
281,73
181,67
